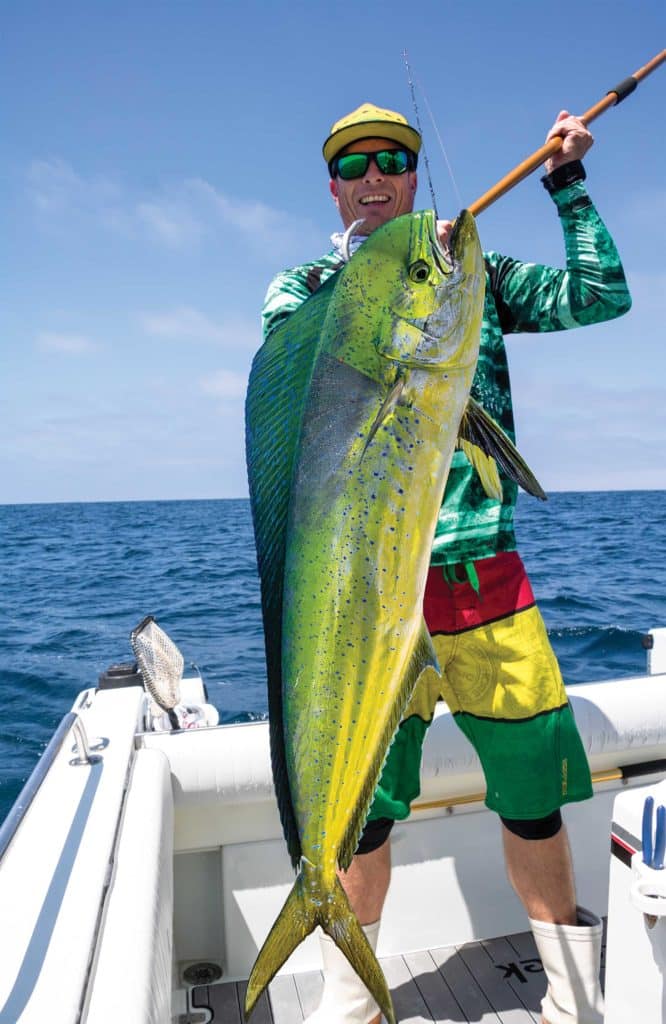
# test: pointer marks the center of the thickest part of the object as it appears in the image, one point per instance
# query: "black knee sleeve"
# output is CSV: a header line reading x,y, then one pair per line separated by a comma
x,y
537,828
375,835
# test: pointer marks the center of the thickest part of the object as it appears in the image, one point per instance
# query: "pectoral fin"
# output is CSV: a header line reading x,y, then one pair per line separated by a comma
x,y
484,442
485,466
387,407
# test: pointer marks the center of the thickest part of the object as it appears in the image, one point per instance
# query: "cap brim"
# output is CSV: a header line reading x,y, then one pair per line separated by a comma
x,y
403,134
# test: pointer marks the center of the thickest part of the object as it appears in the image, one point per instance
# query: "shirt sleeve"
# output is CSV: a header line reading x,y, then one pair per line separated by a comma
x,y
285,294
591,289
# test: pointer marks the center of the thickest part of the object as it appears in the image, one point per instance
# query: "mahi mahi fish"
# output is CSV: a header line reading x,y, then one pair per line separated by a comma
x,y
353,413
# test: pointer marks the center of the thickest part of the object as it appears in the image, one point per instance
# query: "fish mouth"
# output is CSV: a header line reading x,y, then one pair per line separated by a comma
x,y
442,254
460,222
446,257
440,332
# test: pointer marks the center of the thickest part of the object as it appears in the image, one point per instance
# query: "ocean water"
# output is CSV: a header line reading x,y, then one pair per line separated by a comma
x,y
76,578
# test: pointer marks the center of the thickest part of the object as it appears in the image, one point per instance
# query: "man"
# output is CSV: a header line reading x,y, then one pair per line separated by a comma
x,y
500,677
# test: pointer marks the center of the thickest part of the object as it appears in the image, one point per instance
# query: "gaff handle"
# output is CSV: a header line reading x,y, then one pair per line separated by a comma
x,y
611,99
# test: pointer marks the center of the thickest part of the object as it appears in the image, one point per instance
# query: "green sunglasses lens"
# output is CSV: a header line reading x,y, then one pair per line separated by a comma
x,y
392,161
353,165
389,161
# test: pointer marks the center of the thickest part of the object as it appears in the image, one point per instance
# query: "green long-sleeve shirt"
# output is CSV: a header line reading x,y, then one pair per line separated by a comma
x,y
519,297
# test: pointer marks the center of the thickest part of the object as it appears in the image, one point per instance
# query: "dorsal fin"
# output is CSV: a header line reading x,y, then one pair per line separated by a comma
x,y
277,389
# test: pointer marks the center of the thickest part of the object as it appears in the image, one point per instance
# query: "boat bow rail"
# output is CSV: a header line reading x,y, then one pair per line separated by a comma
x,y
71,723
58,860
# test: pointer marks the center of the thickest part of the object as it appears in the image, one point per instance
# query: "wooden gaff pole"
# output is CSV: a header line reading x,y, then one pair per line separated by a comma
x,y
611,99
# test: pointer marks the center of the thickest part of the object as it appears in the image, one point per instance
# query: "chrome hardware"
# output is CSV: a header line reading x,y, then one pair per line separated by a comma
x,y
11,824
83,746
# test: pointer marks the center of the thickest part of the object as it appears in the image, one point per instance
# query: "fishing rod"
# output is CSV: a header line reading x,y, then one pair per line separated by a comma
x,y
611,99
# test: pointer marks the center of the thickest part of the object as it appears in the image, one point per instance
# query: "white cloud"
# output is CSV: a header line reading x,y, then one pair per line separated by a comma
x,y
55,187
184,323
66,344
634,412
170,222
588,437
252,217
178,214
225,384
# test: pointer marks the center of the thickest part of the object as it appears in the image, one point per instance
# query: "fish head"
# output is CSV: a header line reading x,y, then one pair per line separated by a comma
x,y
404,300
436,306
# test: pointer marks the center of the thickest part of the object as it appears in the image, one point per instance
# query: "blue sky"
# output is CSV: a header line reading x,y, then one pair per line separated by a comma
x,y
162,161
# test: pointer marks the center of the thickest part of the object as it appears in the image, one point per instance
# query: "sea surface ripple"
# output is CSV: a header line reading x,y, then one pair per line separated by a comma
x,y
78,577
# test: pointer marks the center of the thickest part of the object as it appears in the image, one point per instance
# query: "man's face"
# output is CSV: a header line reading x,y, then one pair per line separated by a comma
x,y
375,197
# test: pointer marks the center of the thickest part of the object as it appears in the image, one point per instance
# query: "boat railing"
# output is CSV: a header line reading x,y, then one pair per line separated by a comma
x,y
71,723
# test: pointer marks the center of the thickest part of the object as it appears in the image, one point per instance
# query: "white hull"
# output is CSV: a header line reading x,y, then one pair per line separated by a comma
x,y
168,852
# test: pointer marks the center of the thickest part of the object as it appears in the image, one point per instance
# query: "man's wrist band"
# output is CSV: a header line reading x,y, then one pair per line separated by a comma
x,y
564,175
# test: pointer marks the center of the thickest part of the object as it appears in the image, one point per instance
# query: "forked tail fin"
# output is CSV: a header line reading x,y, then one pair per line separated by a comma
x,y
308,905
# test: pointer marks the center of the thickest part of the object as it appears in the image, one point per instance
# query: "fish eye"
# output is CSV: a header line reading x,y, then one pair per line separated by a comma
x,y
419,272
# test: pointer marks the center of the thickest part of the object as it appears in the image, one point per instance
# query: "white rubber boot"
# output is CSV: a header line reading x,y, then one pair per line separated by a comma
x,y
346,1000
571,956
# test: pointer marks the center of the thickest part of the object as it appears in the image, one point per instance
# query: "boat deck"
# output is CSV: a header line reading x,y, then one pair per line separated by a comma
x,y
499,980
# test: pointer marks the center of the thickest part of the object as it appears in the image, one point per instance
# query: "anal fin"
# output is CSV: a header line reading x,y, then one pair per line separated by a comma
x,y
423,656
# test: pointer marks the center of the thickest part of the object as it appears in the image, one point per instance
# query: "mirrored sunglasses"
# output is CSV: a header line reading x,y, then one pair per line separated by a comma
x,y
389,161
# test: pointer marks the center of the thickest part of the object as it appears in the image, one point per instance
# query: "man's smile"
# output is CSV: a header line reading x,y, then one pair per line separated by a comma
x,y
364,200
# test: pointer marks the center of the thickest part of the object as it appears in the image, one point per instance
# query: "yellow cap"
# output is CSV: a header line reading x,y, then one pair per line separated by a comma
x,y
369,121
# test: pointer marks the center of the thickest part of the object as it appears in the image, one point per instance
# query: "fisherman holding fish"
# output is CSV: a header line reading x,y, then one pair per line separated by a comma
x,y
499,675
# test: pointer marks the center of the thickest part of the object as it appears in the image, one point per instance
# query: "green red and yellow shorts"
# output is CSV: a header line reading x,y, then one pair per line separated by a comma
x,y
501,681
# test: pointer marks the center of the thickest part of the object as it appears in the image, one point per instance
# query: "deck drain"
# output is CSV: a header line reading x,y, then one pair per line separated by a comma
x,y
202,974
